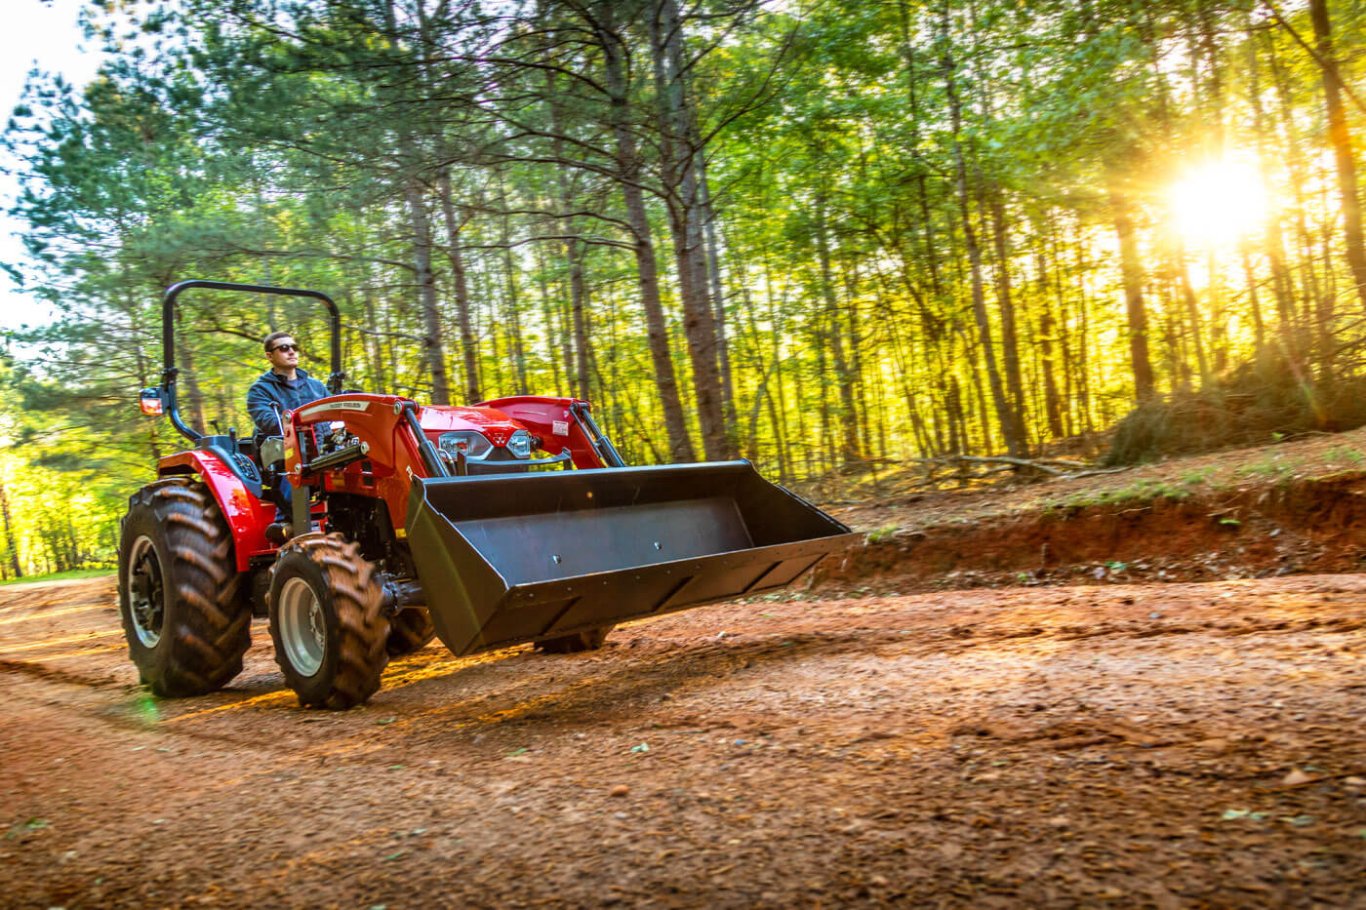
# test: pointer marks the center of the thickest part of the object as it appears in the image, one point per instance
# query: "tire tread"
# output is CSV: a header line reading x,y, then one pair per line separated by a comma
x,y
209,627
361,655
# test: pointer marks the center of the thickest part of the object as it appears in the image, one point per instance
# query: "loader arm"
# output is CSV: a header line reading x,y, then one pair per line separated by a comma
x,y
517,557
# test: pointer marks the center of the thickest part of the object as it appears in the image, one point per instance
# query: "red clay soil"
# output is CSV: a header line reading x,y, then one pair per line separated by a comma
x,y
1252,513
1061,743
1313,526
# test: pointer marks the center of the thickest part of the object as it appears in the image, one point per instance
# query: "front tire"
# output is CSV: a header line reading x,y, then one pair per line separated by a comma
x,y
326,621
409,631
181,599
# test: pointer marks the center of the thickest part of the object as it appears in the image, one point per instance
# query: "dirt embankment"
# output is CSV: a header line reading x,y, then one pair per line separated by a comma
x,y
1289,509
1316,525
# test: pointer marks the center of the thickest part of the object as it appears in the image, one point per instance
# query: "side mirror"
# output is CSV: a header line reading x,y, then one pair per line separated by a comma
x,y
149,400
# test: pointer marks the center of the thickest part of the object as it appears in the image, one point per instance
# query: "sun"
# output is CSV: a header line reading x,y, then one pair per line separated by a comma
x,y
1218,203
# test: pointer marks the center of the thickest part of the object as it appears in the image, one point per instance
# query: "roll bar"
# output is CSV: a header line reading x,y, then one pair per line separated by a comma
x,y
169,372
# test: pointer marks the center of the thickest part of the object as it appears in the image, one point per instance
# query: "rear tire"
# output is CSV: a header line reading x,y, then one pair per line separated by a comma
x,y
409,631
576,643
326,621
181,599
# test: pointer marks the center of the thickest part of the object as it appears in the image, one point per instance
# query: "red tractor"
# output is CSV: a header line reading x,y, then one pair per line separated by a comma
x,y
514,520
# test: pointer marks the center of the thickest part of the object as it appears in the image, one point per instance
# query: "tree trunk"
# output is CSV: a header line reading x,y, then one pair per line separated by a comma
x,y
573,253
647,266
513,303
926,225
1010,347
1192,313
1258,326
846,428
1131,271
1047,327
1341,139
414,195
685,216
718,298
1282,284
190,400
578,306
11,546
433,343
1297,169
460,280
558,355
1083,361
1004,415
778,410
953,404
372,339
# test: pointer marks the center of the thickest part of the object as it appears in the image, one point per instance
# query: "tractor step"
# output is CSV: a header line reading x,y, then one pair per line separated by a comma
x,y
517,558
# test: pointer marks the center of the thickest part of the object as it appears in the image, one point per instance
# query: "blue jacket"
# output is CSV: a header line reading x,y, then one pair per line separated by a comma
x,y
270,388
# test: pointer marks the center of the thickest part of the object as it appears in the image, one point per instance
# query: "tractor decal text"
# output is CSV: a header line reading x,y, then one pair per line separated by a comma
x,y
335,405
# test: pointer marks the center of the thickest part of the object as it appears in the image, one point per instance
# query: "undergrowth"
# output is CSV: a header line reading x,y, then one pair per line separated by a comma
x,y
60,576
1261,402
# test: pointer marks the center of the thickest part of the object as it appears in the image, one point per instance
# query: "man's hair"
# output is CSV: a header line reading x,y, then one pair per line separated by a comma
x,y
274,337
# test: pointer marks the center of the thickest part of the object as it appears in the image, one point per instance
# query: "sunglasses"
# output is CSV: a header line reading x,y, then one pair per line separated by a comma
x,y
284,347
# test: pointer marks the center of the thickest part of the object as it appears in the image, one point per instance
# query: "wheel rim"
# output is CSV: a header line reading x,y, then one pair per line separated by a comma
x,y
146,592
303,627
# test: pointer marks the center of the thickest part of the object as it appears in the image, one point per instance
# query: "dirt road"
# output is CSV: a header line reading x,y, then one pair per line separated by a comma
x,y
1181,745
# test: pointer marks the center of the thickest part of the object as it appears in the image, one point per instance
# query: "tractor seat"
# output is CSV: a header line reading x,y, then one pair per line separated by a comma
x,y
237,459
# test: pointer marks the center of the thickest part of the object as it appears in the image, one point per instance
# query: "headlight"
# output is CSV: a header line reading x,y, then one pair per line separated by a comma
x,y
473,444
520,444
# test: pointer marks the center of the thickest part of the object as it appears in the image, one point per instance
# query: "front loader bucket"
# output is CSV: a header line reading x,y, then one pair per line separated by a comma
x,y
515,558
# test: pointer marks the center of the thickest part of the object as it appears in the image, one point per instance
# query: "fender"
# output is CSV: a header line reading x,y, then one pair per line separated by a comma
x,y
246,515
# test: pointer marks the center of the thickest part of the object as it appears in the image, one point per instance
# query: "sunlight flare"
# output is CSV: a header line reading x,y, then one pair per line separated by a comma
x,y
1218,203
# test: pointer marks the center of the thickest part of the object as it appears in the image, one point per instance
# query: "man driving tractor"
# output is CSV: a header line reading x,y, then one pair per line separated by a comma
x,y
284,387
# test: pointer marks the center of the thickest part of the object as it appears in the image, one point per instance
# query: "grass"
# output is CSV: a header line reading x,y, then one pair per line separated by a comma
x,y
59,576
1143,490
887,532
1198,477
1269,467
1275,467
1348,454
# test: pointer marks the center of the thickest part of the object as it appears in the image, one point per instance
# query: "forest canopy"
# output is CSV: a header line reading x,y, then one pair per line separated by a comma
x,y
828,235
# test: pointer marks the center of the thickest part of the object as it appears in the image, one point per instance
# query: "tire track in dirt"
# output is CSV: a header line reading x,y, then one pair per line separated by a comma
x,y
45,673
658,664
